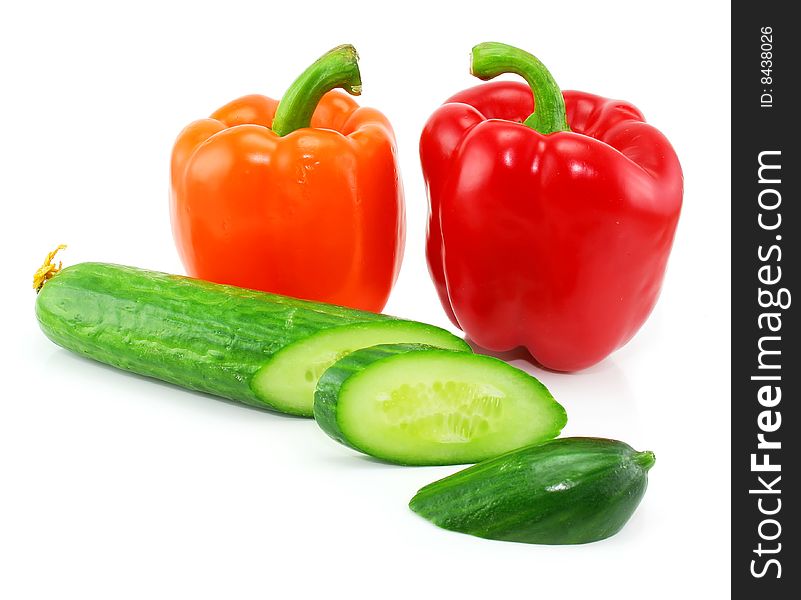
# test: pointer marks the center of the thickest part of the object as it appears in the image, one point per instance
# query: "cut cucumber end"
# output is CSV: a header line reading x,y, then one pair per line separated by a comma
x,y
417,405
287,382
563,491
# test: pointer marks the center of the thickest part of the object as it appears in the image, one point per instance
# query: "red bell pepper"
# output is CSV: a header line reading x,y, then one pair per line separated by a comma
x,y
549,227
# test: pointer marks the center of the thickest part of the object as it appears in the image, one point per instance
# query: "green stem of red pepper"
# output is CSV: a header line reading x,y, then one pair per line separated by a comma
x,y
490,59
337,68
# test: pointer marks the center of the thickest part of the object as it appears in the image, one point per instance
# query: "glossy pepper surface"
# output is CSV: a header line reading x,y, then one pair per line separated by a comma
x,y
551,215
301,197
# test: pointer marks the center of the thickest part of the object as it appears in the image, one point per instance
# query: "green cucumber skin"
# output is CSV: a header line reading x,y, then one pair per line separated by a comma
x,y
199,335
327,392
565,491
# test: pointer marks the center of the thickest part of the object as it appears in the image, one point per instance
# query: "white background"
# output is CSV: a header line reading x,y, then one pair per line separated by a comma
x,y
114,486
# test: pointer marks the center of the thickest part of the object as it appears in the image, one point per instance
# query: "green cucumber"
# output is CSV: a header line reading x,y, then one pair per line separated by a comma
x,y
566,491
261,349
417,405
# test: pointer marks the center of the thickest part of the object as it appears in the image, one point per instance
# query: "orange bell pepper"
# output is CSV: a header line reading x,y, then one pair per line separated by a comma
x,y
301,197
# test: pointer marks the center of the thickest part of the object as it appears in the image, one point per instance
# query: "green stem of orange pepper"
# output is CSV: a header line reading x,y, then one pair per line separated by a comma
x,y
337,68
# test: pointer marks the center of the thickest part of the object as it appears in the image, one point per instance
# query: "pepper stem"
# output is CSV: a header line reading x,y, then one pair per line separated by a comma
x,y
490,59
337,68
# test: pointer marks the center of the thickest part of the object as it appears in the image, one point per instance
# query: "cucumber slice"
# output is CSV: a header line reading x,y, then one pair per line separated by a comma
x,y
565,491
417,405
290,377
257,348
